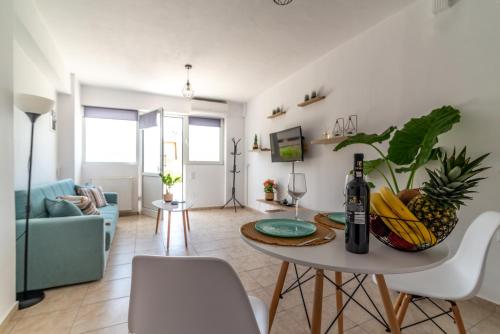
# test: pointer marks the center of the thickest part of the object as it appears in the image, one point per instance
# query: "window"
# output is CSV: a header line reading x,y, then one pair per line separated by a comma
x,y
205,140
110,135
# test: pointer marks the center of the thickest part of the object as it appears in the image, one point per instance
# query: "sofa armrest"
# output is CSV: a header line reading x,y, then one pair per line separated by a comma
x,y
61,250
111,197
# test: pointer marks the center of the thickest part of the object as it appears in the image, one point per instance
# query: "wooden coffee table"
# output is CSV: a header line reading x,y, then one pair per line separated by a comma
x,y
168,206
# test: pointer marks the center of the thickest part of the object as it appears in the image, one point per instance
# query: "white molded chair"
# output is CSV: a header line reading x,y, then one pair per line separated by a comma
x,y
458,278
189,295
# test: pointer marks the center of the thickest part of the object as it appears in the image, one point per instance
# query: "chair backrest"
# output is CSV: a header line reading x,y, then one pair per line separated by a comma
x,y
471,256
186,295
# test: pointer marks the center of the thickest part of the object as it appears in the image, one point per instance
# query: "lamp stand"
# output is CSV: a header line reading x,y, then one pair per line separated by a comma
x,y
29,298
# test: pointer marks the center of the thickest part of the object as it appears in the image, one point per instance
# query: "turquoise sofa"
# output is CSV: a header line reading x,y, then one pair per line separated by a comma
x,y
65,250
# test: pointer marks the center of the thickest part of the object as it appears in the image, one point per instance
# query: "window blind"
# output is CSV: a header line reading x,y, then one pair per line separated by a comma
x,y
110,113
148,120
205,121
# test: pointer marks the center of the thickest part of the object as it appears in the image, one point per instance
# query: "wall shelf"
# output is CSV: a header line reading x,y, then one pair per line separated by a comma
x,y
281,113
326,141
261,150
311,101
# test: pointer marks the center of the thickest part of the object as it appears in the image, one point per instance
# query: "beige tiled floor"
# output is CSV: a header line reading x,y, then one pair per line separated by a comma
x,y
101,307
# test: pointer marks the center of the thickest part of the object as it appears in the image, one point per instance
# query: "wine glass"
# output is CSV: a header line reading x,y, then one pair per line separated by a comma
x,y
297,189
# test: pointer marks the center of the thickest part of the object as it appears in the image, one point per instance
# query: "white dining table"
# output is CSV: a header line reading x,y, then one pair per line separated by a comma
x,y
381,260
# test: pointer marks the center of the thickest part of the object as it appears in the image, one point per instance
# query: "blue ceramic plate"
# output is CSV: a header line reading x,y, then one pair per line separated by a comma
x,y
338,217
285,228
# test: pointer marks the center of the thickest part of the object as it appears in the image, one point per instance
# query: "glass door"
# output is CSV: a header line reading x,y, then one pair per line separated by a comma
x,y
152,188
172,152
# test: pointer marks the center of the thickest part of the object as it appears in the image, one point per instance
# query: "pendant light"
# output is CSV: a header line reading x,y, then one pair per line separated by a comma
x,y
187,91
282,2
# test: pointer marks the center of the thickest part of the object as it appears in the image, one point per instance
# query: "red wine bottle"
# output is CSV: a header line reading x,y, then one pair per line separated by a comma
x,y
357,232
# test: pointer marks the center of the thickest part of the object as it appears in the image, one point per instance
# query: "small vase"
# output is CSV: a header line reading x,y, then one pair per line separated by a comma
x,y
168,197
269,196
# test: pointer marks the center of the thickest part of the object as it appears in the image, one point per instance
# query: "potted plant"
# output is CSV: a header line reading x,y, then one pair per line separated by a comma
x,y
169,181
269,187
255,143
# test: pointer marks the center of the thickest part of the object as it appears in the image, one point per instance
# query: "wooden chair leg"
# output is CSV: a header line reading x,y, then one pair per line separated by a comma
x,y
458,318
184,226
168,228
157,220
398,302
403,308
187,219
389,308
277,292
317,302
340,302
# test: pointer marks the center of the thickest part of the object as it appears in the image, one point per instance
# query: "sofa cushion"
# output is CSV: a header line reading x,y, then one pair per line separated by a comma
x,y
61,208
38,195
83,203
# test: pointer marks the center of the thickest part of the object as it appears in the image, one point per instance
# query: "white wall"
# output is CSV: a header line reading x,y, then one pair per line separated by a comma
x,y
7,226
403,67
29,79
210,182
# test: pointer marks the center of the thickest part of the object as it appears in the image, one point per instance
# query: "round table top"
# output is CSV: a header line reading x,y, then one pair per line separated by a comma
x,y
333,256
168,206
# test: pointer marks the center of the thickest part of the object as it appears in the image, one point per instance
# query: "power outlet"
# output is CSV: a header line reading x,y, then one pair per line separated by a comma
x,y
193,175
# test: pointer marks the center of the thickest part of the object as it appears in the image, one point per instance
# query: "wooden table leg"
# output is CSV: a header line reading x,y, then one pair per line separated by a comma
x,y
157,220
398,302
401,312
277,292
187,219
184,226
389,308
317,303
340,302
168,228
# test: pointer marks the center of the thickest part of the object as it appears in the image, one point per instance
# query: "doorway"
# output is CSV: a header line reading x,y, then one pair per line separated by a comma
x,y
162,152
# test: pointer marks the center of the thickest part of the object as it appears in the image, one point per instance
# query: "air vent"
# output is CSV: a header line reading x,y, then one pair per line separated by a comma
x,y
440,5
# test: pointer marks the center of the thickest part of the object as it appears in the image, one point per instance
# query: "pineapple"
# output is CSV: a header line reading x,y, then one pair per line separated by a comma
x,y
447,189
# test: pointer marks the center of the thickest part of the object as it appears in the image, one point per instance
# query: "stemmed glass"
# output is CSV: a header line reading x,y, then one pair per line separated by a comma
x,y
297,189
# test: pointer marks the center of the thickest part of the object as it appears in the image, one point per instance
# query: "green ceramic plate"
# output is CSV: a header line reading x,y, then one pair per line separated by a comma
x,y
338,217
285,228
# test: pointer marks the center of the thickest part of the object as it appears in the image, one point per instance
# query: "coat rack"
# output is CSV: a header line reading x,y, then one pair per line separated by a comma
x,y
234,172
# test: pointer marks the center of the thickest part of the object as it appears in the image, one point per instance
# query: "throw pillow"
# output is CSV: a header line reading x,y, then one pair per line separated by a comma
x,y
100,199
61,208
83,203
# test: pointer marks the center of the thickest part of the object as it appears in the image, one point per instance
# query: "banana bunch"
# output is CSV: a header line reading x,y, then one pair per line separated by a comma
x,y
399,219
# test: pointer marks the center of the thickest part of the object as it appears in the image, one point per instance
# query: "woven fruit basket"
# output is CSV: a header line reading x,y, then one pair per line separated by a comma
x,y
395,225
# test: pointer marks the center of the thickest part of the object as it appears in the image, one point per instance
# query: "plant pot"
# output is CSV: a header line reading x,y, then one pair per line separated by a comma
x,y
269,196
168,197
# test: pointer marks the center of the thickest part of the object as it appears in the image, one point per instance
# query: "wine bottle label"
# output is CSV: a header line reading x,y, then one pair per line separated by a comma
x,y
356,210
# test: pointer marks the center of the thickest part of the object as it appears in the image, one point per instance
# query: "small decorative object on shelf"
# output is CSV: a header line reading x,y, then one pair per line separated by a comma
x,y
352,125
313,94
169,181
338,130
269,187
255,143
277,112
306,98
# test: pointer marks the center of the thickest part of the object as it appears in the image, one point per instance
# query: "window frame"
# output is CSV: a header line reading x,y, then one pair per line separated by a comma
x,y
221,142
114,163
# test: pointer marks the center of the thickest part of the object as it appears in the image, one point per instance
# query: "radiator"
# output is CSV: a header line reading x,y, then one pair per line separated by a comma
x,y
121,185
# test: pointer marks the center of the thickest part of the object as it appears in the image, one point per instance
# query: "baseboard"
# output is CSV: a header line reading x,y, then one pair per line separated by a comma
x,y
128,213
487,300
8,317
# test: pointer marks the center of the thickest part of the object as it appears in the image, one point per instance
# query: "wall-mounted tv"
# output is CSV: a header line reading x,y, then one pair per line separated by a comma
x,y
287,145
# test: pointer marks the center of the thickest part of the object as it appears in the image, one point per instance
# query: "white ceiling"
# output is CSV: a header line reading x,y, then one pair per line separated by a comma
x,y
238,48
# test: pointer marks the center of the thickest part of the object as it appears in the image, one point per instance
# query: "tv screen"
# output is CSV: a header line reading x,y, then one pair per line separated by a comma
x,y
287,145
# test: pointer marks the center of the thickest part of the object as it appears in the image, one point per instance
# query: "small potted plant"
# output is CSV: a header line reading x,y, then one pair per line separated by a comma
x,y
255,143
169,181
269,187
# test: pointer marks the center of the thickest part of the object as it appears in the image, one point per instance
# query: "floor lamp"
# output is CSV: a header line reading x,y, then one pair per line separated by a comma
x,y
33,106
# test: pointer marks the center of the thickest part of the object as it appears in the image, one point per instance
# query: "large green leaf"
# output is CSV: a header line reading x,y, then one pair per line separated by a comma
x,y
413,144
415,166
363,138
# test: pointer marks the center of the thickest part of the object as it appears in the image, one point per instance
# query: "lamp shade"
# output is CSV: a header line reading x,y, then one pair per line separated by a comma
x,y
33,104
